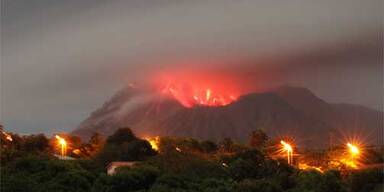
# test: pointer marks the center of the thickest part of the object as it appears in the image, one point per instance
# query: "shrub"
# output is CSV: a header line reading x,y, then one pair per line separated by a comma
x,y
124,146
134,178
208,146
317,182
242,169
256,186
366,180
120,136
216,185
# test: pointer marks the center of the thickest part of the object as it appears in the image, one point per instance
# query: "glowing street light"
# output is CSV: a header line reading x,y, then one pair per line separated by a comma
x,y
353,149
7,136
63,144
288,148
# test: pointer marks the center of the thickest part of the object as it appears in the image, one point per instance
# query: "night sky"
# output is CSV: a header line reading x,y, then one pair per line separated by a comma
x,y
60,60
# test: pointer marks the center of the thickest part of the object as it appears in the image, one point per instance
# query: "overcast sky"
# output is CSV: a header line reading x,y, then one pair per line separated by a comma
x,y
60,60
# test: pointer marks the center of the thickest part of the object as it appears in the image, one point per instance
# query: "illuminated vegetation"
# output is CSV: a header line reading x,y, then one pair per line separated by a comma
x,y
167,164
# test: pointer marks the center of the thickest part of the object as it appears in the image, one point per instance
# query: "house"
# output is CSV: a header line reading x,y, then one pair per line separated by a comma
x,y
111,167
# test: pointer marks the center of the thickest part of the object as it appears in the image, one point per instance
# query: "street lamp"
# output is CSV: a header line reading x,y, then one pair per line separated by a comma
x,y
288,148
63,144
353,149
354,152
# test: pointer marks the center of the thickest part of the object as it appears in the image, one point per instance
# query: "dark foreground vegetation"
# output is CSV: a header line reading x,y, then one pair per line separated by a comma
x,y
180,165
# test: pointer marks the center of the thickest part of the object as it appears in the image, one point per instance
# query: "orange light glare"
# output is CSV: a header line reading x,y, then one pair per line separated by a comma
x,y
305,166
76,151
7,136
353,149
63,144
154,142
288,148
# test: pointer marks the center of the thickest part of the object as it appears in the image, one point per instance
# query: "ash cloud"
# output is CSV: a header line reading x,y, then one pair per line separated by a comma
x,y
63,59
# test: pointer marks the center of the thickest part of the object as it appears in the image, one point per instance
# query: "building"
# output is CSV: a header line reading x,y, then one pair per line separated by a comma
x,y
64,157
111,167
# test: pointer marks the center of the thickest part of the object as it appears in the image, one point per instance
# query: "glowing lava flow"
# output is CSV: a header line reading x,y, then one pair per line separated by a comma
x,y
209,98
205,87
203,96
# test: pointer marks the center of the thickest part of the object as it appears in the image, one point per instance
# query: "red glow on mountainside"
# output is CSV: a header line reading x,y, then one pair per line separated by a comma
x,y
194,88
199,96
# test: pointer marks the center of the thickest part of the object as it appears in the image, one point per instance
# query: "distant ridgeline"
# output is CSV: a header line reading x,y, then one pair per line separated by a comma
x,y
284,111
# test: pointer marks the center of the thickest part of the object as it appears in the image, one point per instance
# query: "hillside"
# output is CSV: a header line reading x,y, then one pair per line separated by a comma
x,y
285,111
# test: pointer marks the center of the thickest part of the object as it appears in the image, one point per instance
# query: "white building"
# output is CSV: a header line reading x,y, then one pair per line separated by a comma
x,y
111,167
64,157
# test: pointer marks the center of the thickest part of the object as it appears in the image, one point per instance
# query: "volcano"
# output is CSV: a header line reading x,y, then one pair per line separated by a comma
x,y
284,111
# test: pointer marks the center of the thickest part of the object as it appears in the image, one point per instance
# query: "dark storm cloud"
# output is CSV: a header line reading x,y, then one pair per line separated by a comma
x,y
351,72
62,59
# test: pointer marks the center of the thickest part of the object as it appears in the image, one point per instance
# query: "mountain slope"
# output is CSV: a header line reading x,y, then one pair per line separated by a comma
x,y
286,111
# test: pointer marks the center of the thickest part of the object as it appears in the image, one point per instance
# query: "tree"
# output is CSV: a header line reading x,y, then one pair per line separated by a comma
x,y
108,154
121,135
16,182
96,140
35,143
317,182
167,182
123,145
71,180
262,185
89,149
252,155
208,146
94,145
332,181
137,178
188,144
36,172
241,169
366,180
136,150
227,145
258,139
216,185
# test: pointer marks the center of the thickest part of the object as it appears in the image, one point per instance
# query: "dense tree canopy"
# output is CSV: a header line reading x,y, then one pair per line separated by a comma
x,y
123,145
258,139
182,165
